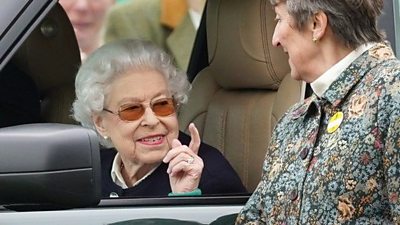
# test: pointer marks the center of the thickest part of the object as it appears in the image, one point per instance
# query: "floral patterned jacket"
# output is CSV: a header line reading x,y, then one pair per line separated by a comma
x,y
347,175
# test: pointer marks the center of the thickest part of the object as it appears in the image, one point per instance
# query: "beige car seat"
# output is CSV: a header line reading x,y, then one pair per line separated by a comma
x,y
50,55
237,100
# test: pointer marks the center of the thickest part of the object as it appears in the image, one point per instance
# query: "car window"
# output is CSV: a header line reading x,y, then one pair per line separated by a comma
x,y
52,97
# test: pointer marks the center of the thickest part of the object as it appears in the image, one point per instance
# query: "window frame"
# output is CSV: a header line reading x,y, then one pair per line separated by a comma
x,y
396,19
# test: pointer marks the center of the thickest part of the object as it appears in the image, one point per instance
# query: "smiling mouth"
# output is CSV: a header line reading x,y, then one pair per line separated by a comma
x,y
152,140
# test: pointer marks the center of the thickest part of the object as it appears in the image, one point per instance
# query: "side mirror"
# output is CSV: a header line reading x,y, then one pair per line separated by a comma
x,y
49,166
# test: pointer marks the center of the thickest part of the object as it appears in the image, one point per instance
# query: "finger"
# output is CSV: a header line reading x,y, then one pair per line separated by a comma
x,y
178,168
175,143
177,148
182,158
195,142
183,166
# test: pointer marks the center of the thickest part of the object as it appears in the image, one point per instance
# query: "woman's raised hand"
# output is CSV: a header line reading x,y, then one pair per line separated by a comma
x,y
185,166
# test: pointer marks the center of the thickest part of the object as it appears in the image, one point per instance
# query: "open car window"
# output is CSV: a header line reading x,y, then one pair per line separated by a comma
x,y
38,52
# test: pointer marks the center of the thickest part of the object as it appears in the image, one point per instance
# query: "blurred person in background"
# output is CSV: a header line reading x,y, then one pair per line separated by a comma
x,y
171,24
87,18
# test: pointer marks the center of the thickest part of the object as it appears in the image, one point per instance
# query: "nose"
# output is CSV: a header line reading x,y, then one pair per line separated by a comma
x,y
149,118
275,39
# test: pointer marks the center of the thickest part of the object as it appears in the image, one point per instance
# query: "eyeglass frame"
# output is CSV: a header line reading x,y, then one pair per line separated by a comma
x,y
122,108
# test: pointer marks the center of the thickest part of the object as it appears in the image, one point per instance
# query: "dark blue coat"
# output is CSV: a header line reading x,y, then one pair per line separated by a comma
x,y
218,176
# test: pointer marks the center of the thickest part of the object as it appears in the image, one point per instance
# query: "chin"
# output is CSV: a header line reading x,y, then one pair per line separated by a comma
x,y
295,76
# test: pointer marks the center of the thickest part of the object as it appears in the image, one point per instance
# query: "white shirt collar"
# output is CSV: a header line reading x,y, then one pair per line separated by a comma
x,y
116,174
322,83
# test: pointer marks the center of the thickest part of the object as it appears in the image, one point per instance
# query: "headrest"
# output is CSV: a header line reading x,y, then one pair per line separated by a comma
x,y
50,54
241,55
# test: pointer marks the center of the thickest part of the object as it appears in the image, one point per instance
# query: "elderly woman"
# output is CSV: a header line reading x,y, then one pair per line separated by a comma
x,y
129,91
334,158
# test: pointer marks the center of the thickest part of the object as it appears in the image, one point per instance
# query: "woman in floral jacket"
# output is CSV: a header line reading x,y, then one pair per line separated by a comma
x,y
334,158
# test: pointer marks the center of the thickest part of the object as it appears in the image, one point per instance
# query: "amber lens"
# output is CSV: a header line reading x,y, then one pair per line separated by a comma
x,y
131,112
163,107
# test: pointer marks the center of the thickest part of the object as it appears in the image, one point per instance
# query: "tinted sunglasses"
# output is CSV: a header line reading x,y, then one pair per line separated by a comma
x,y
132,112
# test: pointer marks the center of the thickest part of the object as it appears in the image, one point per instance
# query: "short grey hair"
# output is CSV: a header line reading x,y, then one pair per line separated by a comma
x,y
115,59
354,22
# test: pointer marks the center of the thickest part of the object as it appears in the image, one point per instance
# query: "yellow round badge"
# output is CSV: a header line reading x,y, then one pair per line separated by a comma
x,y
334,122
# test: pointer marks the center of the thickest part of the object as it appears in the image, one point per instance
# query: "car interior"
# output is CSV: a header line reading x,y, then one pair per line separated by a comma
x,y
238,98
235,102
50,56
241,87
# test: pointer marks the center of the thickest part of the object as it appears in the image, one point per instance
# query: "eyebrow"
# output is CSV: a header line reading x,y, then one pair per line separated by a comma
x,y
137,100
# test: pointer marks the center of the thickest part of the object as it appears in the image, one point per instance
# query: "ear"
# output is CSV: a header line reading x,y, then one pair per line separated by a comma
x,y
99,124
319,25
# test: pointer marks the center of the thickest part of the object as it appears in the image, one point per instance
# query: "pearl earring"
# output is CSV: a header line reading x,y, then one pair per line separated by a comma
x,y
105,137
